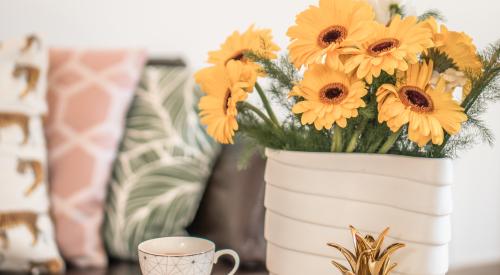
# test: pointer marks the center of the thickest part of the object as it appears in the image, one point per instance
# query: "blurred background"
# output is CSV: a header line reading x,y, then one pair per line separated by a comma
x,y
190,28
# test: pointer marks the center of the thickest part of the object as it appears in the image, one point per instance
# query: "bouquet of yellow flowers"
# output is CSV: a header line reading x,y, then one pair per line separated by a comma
x,y
409,86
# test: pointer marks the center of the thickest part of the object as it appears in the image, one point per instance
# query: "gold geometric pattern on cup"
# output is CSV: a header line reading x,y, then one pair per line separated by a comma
x,y
200,264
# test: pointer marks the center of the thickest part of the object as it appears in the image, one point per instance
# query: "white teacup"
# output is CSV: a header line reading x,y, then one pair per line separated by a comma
x,y
182,256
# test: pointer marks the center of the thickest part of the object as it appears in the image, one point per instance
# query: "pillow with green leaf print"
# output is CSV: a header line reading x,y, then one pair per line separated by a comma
x,y
164,162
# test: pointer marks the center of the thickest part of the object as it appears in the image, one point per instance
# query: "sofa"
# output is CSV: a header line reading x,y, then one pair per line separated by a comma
x,y
239,227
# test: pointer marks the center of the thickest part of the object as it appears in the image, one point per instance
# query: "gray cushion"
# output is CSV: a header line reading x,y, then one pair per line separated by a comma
x,y
232,210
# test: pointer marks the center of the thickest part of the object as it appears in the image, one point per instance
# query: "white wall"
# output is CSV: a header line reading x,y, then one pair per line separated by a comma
x,y
192,27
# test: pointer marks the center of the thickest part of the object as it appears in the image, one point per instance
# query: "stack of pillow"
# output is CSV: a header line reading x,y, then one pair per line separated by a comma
x,y
127,159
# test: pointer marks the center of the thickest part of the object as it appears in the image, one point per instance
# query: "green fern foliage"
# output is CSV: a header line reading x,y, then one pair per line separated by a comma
x,y
432,13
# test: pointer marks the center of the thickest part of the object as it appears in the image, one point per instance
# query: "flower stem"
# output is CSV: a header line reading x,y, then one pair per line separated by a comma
x,y
266,103
390,142
333,147
337,139
373,148
353,143
258,112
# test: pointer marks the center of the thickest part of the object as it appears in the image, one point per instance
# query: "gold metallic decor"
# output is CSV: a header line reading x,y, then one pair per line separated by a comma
x,y
368,257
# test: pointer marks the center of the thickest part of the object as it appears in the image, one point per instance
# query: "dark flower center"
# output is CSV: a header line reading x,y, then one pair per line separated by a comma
x,y
330,35
416,99
238,56
333,93
383,46
227,97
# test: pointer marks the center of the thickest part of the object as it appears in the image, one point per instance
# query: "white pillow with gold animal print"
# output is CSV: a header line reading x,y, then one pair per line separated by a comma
x,y
23,67
27,240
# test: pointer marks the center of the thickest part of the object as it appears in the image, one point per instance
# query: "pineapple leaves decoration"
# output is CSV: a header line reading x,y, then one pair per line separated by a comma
x,y
368,257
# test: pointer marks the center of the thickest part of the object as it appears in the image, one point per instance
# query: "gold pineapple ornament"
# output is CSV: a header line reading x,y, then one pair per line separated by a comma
x,y
368,257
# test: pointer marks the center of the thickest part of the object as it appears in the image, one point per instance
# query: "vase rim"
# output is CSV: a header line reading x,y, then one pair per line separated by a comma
x,y
356,154
436,172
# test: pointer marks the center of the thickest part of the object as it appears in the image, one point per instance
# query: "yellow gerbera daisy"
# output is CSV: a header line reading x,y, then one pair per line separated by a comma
x,y
330,96
427,110
456,45
323,31
225,88
241,71
258,41
390,48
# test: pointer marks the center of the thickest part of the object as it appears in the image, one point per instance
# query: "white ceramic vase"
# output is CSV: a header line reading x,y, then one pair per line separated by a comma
x,y
312,198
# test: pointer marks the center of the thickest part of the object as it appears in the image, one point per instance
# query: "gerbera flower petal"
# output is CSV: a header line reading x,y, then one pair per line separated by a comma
x,y
436,130
425,109
258,41
329,97
322,32
402,40
225,86
456,45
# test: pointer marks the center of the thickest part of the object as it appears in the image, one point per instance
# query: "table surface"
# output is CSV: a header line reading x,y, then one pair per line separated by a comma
x,y
127,268
124,268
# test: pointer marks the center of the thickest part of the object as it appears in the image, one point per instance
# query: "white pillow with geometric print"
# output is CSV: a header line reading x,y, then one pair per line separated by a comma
x,y
27,240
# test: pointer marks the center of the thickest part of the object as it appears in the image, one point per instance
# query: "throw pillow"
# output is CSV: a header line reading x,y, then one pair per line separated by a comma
x,y
89,94
163,164
23,79
27,240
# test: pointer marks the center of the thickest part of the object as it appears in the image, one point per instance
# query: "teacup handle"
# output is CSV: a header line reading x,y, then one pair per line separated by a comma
x,y
233,254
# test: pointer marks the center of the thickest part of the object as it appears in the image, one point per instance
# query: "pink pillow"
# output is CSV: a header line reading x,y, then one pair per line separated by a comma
x,y
89,94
